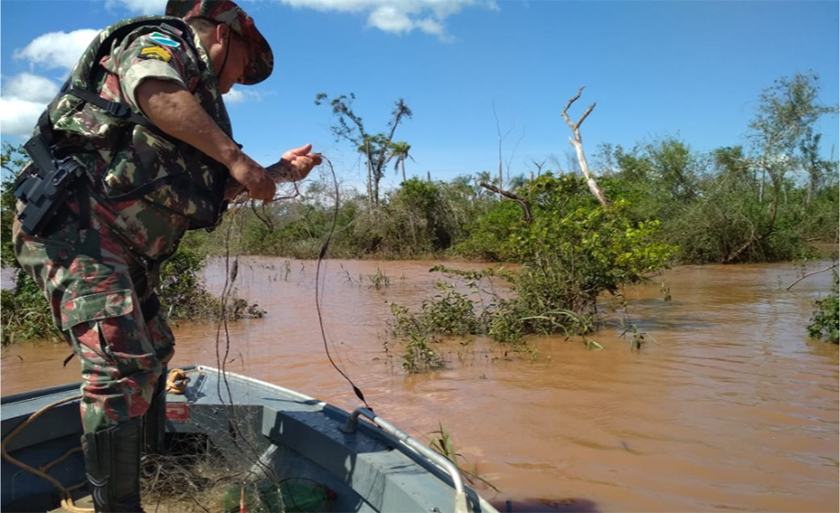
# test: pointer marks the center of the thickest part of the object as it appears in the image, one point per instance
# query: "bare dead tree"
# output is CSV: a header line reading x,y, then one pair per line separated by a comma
x,y
526,206
539,164
501,138
577,142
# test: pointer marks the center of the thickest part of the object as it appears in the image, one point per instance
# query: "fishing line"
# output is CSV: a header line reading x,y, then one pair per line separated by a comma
x,y
230,277
231,272
234,421
321,254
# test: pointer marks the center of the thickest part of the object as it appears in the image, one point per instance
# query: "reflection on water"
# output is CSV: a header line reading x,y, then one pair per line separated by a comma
x,y
727,406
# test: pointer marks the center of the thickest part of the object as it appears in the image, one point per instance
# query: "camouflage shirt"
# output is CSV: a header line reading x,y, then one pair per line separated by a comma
x,y
179,183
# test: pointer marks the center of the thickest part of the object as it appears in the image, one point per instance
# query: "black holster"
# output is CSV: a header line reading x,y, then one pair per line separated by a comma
x,y
45,189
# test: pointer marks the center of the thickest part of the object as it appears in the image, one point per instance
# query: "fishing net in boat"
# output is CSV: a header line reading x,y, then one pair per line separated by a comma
x,y
232,471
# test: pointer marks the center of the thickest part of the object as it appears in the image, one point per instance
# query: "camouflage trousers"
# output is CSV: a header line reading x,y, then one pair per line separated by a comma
x,y
97,306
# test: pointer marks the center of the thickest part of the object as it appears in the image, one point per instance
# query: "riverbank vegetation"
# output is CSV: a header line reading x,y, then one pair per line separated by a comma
x,y
770,197
825,322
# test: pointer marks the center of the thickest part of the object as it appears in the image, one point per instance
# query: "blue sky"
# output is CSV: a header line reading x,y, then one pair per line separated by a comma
x,y
688,69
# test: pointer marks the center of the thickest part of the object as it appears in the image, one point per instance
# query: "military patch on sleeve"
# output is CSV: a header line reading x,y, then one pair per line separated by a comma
x,y
155,52
162,39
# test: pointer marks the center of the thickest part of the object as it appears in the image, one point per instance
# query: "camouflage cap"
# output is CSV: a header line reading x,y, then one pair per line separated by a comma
x,y
225,11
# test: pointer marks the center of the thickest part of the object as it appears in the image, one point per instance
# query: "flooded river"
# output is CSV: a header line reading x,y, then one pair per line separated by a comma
x,y
728,406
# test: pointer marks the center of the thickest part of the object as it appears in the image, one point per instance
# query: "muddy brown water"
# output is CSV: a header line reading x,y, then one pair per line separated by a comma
x,y
728,406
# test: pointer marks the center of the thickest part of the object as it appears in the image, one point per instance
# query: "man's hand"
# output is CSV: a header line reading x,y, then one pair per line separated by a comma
x,y
302,161
254,177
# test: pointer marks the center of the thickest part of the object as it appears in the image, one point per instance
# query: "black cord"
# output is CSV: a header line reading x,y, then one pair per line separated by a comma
x,y
321,254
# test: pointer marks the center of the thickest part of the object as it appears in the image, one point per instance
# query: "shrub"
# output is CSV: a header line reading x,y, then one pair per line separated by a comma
x,y
826,319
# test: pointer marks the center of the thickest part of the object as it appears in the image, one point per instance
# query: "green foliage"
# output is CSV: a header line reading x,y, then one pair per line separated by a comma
x,y
183,296
379,280
419,219
181,290
490,230
826,319
573,251
786,114
398,152
418,216
507,324
12,161
419,355
448,312
26,313
730,213
820,220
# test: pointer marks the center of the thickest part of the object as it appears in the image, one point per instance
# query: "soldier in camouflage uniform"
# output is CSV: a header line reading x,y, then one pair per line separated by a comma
x,y
155,147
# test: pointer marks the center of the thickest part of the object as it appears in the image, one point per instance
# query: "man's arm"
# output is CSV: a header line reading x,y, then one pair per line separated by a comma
x,y
175,111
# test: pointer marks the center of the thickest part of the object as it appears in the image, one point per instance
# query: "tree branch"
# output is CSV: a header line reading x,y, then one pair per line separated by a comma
x,y
566,109
526,206
811,274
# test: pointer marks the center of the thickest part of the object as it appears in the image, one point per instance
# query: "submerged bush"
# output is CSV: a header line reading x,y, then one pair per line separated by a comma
x,y
571,252
183,295
826,319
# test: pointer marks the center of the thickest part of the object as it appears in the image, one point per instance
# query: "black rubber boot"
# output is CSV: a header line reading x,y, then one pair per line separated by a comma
x,y
112,461
154,429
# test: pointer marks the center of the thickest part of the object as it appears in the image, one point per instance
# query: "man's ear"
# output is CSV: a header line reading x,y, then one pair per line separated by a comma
x,y
222,33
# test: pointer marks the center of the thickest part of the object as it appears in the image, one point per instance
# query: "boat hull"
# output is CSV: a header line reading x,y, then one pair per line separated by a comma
x,y
367,465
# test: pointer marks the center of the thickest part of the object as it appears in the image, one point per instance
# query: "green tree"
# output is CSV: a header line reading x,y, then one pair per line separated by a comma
x,y
783,124
399,153
375,147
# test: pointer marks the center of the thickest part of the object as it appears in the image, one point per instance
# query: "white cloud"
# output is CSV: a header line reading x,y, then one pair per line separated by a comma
x,y
29,87
431,26
390,19
398,16
139,6
17,116
57,49
236,95
24,97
